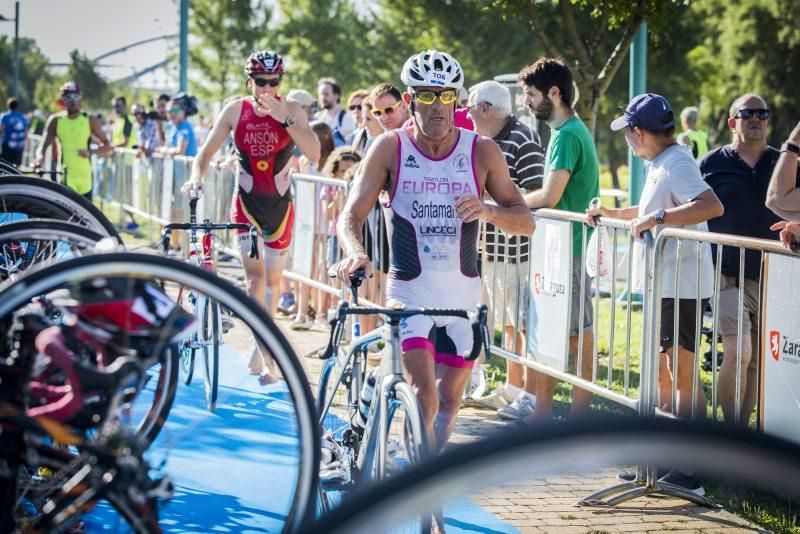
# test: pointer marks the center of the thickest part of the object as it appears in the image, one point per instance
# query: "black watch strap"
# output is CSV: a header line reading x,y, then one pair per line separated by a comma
x,y
790,146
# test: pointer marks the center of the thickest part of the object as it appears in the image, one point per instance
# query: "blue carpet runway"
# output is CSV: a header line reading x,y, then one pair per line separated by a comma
x,y
235,470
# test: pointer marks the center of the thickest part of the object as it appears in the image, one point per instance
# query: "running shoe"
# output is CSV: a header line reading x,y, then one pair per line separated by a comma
x,y
285,303
498,398
519,409
301,322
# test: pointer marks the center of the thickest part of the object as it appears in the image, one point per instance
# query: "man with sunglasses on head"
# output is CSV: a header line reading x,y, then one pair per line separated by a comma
x,y
431,177
739,173
265,128
74,130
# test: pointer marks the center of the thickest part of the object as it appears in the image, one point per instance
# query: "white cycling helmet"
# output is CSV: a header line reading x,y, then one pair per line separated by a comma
x,y
432,68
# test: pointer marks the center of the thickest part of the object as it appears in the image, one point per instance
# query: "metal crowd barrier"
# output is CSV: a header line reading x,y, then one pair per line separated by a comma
x,y
619,382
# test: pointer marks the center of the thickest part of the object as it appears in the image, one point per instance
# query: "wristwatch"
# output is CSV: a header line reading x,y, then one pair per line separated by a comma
x,y
791,146
288,122
659,215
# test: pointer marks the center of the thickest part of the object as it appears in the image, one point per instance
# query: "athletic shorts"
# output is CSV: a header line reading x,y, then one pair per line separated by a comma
x,y
729,306
507,289
447,339
575,324
687,310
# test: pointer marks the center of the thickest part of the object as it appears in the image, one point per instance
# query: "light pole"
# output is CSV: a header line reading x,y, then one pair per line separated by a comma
x,y
16,47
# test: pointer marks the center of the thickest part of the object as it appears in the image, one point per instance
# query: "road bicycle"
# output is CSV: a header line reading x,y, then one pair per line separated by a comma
x,y
67,377
375,437
208,337
150,409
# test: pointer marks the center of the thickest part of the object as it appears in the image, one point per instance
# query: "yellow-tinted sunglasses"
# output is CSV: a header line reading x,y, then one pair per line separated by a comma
x,y
377,112
448,96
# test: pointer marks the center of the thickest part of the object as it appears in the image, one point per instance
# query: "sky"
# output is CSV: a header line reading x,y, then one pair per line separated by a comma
x,y
95,27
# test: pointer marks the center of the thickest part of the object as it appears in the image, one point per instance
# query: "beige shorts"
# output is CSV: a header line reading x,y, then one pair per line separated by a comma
x,y
506,287
728,311
575,324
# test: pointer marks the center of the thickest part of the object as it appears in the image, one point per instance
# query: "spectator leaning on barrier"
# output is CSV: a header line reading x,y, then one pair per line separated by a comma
x,y
160,115
329,95
74,130
739,174
145,130
182,142
691,136
356,110
505,279
13,131
122,135
571,180
674,194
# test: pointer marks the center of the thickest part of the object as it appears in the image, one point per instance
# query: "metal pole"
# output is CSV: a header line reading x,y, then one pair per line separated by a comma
x,y
15,87
637,86
184,39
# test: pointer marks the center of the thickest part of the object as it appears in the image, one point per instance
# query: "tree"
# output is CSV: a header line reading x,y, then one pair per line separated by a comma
x,y
32,71
328,38
593,36
746,47
224,33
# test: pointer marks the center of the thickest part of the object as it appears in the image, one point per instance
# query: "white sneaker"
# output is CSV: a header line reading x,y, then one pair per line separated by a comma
x,y
498,398
322,325
301,322
520,408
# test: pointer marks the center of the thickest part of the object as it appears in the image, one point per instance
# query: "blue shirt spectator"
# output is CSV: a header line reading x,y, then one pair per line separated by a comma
x,y
184,132
14,129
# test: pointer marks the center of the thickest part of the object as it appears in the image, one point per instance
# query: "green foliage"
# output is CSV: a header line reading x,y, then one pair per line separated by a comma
x,y
328,38
222,34
32,71
746,46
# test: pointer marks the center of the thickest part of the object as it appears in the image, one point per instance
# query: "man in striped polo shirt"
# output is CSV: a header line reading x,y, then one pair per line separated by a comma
x,y
506,268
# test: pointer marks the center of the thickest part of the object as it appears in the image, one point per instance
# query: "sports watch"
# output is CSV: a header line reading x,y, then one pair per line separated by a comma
x,y
289,121
659,215
790,146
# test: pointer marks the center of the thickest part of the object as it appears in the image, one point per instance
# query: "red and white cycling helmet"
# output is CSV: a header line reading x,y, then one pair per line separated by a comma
x,y
433,68
70,87
263,62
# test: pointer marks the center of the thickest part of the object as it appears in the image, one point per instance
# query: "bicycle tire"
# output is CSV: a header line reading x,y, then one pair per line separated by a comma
x,y
186,352
536,451
43,199
209,326
44,240
144,265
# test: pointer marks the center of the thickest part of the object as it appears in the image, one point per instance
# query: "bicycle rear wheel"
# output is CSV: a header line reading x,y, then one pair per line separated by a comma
x,y
35,198
209,343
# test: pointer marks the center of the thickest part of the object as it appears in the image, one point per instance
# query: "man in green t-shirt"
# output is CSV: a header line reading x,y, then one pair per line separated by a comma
x,y
571,181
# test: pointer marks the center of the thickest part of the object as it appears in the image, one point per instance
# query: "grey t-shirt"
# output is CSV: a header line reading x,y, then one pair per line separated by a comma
x,y
673,179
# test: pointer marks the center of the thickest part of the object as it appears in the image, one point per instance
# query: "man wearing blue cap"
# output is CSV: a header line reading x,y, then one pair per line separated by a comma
x,y
674,194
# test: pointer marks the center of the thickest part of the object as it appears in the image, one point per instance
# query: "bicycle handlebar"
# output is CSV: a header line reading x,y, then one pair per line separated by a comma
x,y
478,318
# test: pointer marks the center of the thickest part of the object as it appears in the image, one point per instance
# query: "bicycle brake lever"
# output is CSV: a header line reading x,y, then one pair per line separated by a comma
x,y
480,334
253,242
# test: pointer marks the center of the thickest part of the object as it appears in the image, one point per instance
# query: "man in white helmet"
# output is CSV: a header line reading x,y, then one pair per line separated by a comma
x,y
430,177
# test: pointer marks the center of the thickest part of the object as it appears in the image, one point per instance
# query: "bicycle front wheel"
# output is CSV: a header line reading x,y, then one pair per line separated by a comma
x,y
209,342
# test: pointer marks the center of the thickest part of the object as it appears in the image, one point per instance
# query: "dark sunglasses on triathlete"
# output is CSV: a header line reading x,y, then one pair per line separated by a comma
x,y
71,96
448,96
263,82
354,107
744,114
